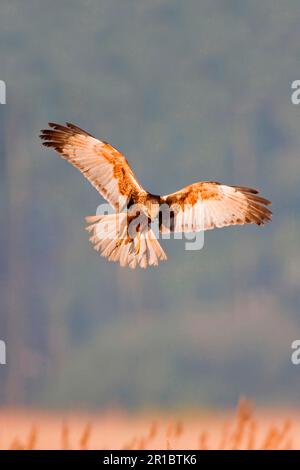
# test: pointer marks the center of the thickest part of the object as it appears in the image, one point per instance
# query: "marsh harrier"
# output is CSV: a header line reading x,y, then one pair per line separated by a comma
x,y
127,236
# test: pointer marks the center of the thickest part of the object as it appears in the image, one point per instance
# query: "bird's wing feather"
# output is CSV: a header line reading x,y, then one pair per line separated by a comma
x,y
104,166
207,205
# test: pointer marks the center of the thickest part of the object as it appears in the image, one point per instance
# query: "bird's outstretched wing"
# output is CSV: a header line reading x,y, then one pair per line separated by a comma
x,y
207,205
104,166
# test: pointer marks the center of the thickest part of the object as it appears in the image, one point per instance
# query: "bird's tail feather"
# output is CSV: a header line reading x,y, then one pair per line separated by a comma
x,y
109,236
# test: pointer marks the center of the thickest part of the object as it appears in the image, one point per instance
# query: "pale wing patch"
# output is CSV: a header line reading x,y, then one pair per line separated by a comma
x,y
204,206
91,161
104,166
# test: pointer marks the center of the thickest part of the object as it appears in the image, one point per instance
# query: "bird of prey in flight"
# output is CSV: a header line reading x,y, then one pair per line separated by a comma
x,y
127,235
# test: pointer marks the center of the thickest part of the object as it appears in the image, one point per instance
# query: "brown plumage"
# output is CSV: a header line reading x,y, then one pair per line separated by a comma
x,y
200,206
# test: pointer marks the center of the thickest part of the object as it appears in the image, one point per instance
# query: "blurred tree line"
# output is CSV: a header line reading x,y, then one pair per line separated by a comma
x,y
196,90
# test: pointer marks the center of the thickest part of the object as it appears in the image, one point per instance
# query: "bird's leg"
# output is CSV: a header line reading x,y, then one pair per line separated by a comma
x,y
138,243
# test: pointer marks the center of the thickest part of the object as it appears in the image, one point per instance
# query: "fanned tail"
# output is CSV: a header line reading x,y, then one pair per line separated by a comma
x,y
109,236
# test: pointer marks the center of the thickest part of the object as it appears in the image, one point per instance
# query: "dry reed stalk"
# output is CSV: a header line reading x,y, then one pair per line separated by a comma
x,y
130,445
32,438
169,430
168,445
203,441
270,439
152,431
178,429
224,435
284,432
85,437
141,444
251,435
243,415
65,437
244,434
275,437
174,429
16,445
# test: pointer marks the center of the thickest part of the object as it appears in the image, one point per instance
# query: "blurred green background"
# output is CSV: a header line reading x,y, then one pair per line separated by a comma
x,y
195,90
